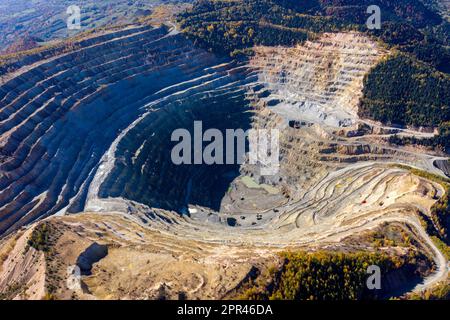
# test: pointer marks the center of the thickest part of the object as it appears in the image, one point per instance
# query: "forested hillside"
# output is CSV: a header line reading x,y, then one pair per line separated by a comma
x,y
406,92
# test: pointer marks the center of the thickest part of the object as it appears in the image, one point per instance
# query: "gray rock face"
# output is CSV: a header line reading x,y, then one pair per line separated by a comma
x,y
443,165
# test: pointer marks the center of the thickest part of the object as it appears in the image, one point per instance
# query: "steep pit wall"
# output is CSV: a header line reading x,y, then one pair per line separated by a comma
x,y
59,117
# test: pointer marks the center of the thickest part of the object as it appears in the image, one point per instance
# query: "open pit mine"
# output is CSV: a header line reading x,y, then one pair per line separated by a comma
x,y
87,183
